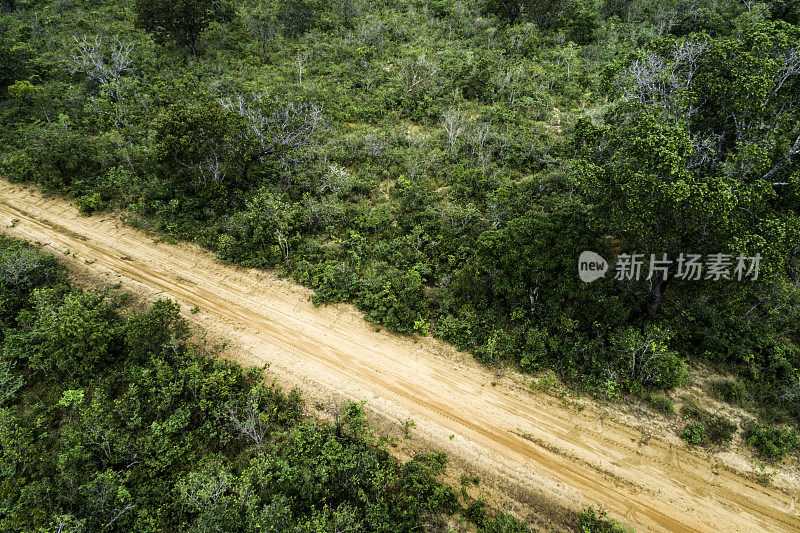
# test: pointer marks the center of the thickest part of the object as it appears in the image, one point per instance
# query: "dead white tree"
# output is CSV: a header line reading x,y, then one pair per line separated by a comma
x,y
248,419
792,391
284,131
337,181
416,72
283,244
453,123
206,490
790,66
419,159
103,64
17,265
300,60
656,83
706,151
66,523
477,137
212,168
375,146
568,53
107,64
753,130
793,151
457,215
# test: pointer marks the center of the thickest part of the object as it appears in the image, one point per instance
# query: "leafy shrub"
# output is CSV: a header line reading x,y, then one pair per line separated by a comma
x,y
731,391
61,159
546,382
716,429
149,333
694,433
644,359
22,269
538,345
395,303
334,282
596,521
692,410
720,429
10,381
476,512
72,337
90,203
661,403
772,442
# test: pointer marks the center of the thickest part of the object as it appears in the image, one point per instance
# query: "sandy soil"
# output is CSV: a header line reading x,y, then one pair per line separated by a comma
x,y
544,453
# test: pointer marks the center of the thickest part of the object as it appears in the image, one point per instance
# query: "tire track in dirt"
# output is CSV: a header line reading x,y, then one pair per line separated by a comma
x,y
539,449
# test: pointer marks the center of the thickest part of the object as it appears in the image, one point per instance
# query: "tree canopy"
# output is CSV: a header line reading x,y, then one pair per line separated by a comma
x,y
443,165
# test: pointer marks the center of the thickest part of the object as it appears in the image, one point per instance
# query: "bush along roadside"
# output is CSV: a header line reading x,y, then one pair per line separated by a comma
x,y
443,166
116,421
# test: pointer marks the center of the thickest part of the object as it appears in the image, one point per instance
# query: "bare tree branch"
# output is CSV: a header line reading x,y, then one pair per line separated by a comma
x,y
247,419
794,150
108,66
453,122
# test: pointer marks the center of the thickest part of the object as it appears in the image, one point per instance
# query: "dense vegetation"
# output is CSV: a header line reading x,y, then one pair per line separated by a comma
x,y
442,164
113,422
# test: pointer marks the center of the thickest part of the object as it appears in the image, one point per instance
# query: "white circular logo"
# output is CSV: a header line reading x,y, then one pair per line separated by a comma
x,y
591,266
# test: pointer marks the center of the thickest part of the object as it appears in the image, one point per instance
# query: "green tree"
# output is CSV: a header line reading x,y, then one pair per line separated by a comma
x,y
71,338
15,61
181,21
23,92
193,151
543,12
788,10
149,333
701,154
299,16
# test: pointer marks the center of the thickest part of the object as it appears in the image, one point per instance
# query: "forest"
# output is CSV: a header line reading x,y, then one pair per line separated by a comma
x,y
442,165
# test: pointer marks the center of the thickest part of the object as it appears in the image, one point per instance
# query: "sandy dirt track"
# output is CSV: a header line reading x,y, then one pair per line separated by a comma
x,y
543,452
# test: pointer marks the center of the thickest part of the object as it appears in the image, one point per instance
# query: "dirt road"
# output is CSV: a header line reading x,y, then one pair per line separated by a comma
x,y
539,448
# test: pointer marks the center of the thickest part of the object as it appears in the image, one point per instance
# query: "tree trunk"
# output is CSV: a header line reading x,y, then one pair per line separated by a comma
x,y
249,162
653,301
